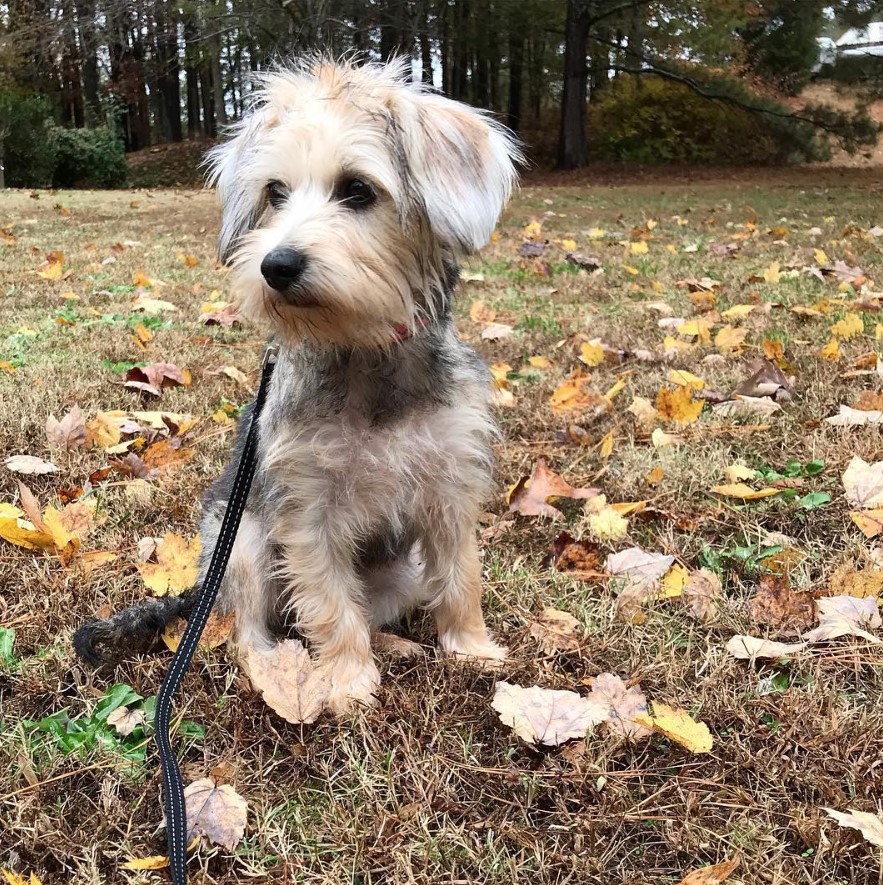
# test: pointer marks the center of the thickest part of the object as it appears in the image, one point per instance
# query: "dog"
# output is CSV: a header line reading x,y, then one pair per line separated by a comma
x,y
349,195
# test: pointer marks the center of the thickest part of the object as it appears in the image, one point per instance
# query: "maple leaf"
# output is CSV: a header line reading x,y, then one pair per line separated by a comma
x,y
288,681
685,379
703,595
591,353
556,630
870,522
69,433
217,631
623,704
546,716
156,377
218,813
712,875
868,824
851,325
777,605
125,721
176,568
678,405
678,726
530,496
863,483
53,267
845,616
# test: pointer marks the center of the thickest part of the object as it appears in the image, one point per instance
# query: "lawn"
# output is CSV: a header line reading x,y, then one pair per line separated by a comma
x,y
431,786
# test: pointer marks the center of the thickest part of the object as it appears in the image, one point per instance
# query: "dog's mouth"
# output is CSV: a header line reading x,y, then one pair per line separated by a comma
x,y
297,296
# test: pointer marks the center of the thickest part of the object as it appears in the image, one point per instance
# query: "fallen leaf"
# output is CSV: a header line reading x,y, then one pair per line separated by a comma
x,y
546,716
849,417
863,483
831,351
530,496
591,353
69,433
153,306
125,721
495,331
176,568
655,476
29,465
15,529
16,879
678,405
633,595
685,379
289,682
746,405
151,862
739,472
777,605
479,312
188,260
216,633
738,311
845,616
765,379
623,704
730,339
225,315
608,525
851,325
678,726
703,595
870,522
751,647
673,583
743,492
574,396
218,813
637,563
104,430
156,377
556,630
569,555
847,582
868,824
712,875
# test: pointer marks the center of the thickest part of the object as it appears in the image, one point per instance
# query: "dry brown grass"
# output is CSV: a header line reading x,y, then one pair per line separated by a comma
x,y
430,787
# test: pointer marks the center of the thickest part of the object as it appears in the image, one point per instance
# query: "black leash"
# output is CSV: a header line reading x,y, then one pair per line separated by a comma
x,y
176,817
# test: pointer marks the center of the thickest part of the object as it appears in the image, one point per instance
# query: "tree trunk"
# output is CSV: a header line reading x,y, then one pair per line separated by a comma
x,y
191,74
89,40
573,147
206,91
516,65
425,42
460,72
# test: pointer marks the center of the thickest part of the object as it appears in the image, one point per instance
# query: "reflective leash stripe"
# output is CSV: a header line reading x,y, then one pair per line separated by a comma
x,y
176,818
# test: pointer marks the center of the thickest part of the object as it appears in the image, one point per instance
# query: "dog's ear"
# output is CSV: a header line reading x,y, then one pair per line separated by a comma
x,y
461,163
242,198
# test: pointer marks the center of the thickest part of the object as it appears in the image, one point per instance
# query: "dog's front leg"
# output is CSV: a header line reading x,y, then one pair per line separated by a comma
x,y
328,599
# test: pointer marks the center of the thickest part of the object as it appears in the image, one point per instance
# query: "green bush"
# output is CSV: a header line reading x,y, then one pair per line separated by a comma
x,y
648,119
26,150
88,158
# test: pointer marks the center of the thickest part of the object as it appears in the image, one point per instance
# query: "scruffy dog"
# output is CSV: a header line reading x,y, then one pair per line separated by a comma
x,y
349,194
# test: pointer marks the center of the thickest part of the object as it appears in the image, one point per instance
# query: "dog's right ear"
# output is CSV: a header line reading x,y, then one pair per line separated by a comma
x,y
242,197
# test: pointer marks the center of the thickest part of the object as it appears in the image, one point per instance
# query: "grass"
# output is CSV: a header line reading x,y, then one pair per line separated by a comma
x,y
430,787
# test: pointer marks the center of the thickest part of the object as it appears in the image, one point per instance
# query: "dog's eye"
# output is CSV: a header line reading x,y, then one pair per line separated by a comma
x,y
357,193
277,194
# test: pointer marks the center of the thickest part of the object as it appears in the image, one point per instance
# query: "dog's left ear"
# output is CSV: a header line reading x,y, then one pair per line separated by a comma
x,y
462,165
240,194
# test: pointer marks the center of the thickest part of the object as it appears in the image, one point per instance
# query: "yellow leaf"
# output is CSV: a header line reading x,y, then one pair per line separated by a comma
x,y
499,371
153,862
592,353
217,631
142,333
730,338
632,270
627,508
655,476
7,367
737,472
674,582
672,248
773,273
831,351
568,245
596,233
54,266
16,879
712,875
17,530
821,257
639,248
533,229
572,396
685,379
678,726
738,311
608,525
678,405
847,328
616,389
539,362
878,332
607,446
743,492
139,279
870,522
104,430
698,328
221,417
188,260
176,567
672,345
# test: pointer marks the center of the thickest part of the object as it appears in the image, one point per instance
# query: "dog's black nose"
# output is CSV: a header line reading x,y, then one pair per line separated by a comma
x,y
283,268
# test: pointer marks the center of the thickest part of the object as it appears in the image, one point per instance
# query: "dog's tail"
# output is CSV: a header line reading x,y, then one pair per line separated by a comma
x,y
133,630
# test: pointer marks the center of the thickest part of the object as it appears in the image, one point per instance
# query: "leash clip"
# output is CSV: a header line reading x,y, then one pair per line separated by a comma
x,y
271,353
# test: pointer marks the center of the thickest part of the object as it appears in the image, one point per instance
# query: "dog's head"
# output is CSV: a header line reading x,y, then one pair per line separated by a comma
x,y
347,191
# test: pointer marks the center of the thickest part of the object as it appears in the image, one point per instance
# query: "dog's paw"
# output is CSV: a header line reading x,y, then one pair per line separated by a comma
x,y
353,684
475,648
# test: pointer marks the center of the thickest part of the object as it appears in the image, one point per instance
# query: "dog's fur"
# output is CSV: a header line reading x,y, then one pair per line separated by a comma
x,y
375,441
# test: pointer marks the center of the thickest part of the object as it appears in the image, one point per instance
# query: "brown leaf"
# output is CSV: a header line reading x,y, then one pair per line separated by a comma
x,y
556,630
765,379
125,721
156,377
216,633
288,681
530,496
546,716
869,521
848,582
225,315
165,454
623,704
845,616
639,564
69,433
703,596
218,813
870,401
634,593
712,875
777,605
566,554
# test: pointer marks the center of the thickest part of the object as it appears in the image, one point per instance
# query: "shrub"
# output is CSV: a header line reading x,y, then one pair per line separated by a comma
x,y
648,119
88,158
27,152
